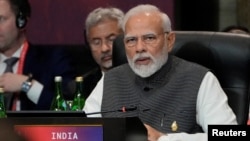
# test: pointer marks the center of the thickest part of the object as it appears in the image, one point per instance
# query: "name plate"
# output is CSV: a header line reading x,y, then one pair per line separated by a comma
x,y
61,132
76,128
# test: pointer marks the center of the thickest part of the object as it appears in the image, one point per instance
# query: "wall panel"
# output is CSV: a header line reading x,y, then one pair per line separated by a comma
x,y
62,21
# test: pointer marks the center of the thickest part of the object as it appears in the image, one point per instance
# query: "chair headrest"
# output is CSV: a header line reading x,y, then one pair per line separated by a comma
x,y
227,55
119,56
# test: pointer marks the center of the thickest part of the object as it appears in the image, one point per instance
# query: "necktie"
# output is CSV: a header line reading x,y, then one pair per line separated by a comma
x,y
10,62
10,100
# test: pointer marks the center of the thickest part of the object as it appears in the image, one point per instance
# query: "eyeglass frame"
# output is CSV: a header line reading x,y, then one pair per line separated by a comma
x,y
108,41
144,39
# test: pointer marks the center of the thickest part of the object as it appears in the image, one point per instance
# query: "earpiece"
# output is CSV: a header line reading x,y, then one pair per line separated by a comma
x,y
21,20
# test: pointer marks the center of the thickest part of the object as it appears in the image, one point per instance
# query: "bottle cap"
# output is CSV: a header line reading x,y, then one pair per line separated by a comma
x,y
79,78
58,78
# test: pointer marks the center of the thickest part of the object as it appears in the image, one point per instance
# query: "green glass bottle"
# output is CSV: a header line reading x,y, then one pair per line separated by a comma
x,y
2,105
79,99
58,102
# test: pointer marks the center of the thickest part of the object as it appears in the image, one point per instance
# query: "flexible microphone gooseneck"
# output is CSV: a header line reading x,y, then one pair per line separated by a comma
x,y
123,109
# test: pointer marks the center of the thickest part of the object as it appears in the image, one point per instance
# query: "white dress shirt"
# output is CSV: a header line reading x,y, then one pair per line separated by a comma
x,y
36,88
94,101
210,95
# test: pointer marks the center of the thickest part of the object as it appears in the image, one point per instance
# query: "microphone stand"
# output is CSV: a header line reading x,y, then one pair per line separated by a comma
x,y
123,109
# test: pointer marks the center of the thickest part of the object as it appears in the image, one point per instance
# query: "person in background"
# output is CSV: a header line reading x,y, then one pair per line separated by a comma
x,y
173,102
102,26
28,80
236,29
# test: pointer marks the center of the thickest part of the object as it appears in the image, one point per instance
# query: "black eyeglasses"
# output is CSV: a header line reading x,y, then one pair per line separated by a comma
x,y
147,39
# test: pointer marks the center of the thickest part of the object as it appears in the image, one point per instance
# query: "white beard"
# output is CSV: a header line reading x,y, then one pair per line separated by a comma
x,y
147,70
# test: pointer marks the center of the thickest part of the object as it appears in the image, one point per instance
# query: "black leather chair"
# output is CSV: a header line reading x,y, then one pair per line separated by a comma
x,y
226,54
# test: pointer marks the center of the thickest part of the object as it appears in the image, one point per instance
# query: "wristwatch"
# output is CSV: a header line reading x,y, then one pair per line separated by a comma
x,y
27,84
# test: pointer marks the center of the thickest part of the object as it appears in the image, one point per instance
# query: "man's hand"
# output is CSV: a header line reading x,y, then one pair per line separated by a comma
x,y
11,82
153,134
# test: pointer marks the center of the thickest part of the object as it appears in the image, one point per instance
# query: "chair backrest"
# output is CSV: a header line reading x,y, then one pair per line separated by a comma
x,y
226,54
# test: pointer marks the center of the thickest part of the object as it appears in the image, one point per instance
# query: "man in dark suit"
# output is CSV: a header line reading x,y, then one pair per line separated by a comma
x,y
102,27
29,81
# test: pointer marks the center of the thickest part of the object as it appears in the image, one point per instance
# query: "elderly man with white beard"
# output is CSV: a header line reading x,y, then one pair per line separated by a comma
x,y
180,102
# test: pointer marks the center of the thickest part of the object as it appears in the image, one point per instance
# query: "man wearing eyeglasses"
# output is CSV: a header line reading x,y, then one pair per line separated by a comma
x,y
173,102
102,27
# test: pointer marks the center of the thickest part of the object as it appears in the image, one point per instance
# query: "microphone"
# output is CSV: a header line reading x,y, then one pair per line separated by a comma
x,y
126,109
122,109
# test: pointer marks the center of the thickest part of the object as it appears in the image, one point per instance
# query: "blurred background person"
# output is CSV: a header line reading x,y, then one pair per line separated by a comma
x,y
27,71
102,26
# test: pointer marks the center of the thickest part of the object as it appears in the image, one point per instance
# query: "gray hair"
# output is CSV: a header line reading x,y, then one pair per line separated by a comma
x,y
166,23
100,14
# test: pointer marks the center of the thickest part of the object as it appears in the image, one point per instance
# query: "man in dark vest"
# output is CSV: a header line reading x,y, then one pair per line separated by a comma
x,y
174,98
